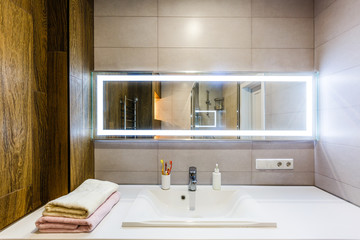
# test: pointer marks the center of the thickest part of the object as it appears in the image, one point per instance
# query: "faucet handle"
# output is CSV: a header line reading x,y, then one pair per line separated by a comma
x,y
192,170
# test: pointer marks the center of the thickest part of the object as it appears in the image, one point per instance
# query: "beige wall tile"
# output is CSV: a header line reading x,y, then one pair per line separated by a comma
x,y
205,178
124,8
121,59
282,178
204,32
333,161
123,160
128,177
340,189
196,59
339,54
340,125
340,90
282,8
282,60
321,5
282,33
205,8
125,32
205,160
338,18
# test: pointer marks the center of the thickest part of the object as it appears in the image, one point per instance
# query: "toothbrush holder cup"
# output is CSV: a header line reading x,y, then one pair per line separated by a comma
x,y
165,182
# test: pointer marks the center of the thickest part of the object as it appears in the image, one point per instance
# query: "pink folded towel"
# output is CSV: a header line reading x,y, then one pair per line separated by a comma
x,y
72,225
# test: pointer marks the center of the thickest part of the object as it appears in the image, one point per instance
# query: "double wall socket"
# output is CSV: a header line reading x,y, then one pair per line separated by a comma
x,y
275,163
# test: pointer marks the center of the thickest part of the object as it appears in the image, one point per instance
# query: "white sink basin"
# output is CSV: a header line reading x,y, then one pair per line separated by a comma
x,y
173,208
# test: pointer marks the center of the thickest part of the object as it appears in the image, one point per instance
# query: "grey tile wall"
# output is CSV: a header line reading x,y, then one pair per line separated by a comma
x,y
204,35
138,162
337,57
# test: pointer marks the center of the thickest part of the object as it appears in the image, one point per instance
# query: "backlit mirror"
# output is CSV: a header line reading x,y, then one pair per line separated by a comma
x,y
256,106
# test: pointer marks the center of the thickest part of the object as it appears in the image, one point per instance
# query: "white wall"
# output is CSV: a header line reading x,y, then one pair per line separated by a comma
x,y
337,57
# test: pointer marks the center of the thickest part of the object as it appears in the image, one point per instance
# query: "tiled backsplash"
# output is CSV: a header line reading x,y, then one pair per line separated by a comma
x,y
138,161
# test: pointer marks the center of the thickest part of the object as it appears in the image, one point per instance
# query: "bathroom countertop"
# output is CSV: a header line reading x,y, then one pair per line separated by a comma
x,y
301,212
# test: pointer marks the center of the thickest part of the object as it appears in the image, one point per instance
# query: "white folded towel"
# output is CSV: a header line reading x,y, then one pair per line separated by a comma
x,y
81,202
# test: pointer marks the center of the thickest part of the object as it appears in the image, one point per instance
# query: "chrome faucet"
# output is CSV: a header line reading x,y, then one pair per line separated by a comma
x,y
192,179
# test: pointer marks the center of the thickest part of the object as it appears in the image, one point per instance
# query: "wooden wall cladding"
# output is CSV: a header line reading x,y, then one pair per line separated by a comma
x,y
81,64
16,76
56,170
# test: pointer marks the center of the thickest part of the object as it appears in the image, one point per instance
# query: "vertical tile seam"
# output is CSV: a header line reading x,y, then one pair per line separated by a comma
x,y
157,34
251,37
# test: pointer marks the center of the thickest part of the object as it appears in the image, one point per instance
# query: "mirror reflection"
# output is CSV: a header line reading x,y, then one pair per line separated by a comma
x,y
191,105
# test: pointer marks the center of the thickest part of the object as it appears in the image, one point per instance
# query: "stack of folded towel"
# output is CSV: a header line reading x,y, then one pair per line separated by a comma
x,y
81,210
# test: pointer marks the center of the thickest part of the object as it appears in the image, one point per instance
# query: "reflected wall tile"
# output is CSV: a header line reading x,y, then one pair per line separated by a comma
x,y
125,31
282,33
124,8
205,32
205,8
109,59
282,8
196,59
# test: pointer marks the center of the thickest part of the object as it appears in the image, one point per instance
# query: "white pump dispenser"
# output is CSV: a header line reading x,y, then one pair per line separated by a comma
x,y
216,177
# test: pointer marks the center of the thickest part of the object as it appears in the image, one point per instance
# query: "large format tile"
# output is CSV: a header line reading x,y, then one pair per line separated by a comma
x,y
321,5
338,162
282,60
122,59
338,18
340,90
197,59
339,54
205,32
205,160
205,178
128,177
124,8
205,8
126,160
338,188
340,126
282,8
282,33
282,178
125,31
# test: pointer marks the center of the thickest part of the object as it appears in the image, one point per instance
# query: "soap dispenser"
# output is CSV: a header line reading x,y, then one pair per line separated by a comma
x,y
216,178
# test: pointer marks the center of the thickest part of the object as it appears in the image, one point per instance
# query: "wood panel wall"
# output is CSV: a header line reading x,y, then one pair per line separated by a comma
x,y
23,82
81,64
37,143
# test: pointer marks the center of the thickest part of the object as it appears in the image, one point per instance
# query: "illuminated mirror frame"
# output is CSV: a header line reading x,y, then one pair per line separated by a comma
x,y
101,79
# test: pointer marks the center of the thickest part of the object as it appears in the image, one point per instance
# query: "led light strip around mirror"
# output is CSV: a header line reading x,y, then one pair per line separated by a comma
x,y
101,79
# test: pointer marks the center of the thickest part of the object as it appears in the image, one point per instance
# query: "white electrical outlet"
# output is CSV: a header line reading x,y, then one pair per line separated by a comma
x,y
275,163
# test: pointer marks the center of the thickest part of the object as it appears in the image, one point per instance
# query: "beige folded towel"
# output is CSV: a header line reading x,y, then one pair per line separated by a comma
x,y
81,202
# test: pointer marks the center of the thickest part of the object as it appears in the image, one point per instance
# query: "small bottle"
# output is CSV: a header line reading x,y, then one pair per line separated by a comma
x,y
216,177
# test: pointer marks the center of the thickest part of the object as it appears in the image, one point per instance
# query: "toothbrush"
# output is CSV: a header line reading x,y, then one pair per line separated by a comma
x,y
170,168
162,166
166,168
